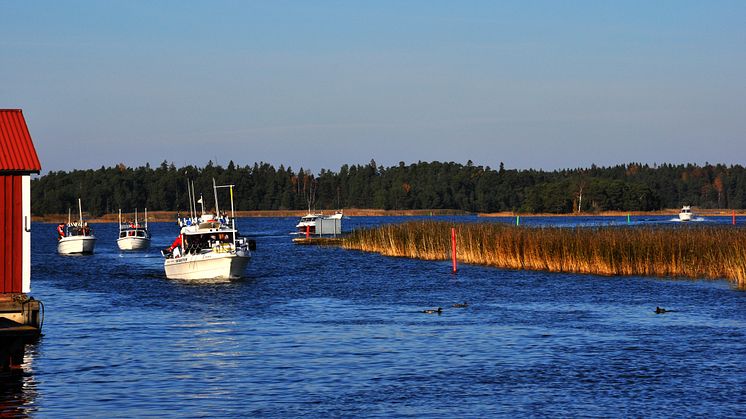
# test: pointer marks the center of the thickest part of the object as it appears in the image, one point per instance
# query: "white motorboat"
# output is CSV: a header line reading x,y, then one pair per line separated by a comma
x,y
133,235
320,224
686,213
75,238
208,246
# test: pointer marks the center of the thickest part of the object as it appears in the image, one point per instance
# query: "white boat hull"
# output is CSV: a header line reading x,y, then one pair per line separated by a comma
x,y
685,217
76,245
133,243
207,266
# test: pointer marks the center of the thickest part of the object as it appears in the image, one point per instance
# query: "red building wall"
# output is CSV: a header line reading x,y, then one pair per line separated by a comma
x,y
11,229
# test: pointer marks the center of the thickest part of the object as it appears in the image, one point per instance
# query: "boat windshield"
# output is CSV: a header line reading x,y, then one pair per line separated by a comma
x,y
197,243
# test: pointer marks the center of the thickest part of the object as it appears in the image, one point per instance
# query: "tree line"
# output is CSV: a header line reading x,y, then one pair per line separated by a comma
x,y
421,185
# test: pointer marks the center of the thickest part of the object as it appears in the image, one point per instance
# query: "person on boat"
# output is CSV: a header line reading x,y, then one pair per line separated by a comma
x,y
60,231
176,243
173,249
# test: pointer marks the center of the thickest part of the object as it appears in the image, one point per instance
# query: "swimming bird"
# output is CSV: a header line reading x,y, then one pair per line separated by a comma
x,y
461,305
433,311
660,310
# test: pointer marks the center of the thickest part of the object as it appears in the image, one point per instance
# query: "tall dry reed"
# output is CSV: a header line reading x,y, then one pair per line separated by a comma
x,y
687,251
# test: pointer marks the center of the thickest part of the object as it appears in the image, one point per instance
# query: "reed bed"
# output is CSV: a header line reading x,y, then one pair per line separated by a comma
x,y
683,252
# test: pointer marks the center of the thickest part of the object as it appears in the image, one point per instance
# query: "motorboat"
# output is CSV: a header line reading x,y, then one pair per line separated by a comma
x,y
75,237
208,246
320,224
686,213
132,234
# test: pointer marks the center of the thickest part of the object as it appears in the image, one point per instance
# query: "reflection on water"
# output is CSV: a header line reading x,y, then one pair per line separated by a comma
x,y
325,332
18,390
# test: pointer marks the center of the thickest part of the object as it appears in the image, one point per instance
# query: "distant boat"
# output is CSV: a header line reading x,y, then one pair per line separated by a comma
x,y
75,238
133,235
686,213
320,224
208,246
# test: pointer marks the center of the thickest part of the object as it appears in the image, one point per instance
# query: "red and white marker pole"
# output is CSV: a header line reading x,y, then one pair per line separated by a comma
x,y
453,248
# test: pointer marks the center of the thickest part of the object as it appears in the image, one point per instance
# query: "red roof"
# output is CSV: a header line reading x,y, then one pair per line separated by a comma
x,y
17,153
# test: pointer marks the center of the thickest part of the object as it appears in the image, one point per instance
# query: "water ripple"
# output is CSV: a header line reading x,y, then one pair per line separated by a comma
x,y
325,332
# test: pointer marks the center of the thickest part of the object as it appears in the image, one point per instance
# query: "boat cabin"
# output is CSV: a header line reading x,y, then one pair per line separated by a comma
x,y
320,225
134,232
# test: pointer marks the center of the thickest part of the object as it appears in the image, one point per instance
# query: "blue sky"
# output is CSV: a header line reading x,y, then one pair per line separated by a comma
x,y
318,84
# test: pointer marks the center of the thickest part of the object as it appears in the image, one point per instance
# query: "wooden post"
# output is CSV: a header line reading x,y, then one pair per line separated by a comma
x,y
453,248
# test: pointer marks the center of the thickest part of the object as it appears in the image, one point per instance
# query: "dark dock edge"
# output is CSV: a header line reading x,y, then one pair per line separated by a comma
x,y
21,319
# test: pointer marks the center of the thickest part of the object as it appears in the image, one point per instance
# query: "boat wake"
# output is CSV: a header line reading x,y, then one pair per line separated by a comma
x,y
693,220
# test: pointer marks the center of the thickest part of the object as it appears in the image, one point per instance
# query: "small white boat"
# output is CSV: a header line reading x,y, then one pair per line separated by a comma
x,y
320,224
208,247
686,213
133,235
75,238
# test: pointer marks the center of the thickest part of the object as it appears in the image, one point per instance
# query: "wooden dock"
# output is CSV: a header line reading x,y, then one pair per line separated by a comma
x,y
318,241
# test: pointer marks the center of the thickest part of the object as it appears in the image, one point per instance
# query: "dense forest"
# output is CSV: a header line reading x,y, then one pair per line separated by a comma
x,y
422,185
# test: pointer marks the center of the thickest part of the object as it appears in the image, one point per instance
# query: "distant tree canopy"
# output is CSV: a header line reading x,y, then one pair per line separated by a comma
x,y
422,185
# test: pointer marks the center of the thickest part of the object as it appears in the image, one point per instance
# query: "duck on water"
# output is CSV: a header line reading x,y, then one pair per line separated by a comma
x,y
661,310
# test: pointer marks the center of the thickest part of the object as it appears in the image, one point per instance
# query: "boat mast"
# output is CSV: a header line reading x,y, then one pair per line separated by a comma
x,y
233,219
136,225
80,211
120,220
215,192
194,202
146,218
189,192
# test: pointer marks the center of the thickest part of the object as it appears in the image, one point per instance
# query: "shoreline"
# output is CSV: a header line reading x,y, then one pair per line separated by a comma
x,y
168,216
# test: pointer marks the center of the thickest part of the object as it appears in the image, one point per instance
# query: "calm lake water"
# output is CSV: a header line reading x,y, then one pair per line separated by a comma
x,y
327,332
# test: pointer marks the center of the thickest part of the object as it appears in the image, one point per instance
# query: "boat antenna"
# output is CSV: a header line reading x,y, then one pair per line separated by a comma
x,y
215,192
80,211
233,219
194,201
189,193
69,219
136,224
194,196
146,218
120,220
